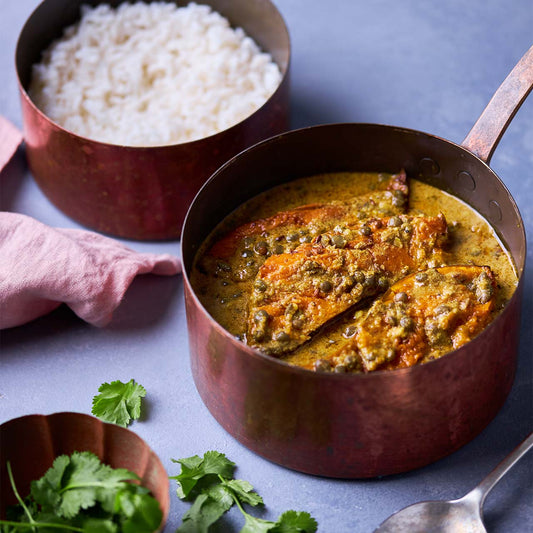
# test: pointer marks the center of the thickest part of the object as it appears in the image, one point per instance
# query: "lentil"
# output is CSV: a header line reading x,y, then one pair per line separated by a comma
x,y
401,297
339,241
322,365
261,248
325,286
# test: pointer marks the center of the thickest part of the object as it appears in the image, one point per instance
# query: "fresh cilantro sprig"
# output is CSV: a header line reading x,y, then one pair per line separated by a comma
x,y
79,493
208,482
118,402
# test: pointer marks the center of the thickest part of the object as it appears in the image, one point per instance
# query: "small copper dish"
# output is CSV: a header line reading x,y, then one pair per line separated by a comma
x,y
31,443
139,192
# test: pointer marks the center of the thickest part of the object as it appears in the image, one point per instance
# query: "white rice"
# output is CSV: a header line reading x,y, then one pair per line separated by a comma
x,y
152,74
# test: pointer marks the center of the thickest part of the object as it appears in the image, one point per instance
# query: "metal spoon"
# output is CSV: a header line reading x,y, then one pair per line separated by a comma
x,y
464,515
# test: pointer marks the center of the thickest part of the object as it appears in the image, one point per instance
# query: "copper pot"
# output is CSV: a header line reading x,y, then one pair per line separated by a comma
x,y
386,422
31,443
137,192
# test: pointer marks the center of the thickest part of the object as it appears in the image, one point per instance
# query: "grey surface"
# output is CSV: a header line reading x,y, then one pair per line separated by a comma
x,y
431,66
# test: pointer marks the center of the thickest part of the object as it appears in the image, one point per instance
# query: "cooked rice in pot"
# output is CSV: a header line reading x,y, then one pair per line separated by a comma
x,y
152,74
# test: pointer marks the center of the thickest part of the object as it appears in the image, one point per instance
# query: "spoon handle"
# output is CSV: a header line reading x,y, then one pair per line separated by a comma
x,y
488,483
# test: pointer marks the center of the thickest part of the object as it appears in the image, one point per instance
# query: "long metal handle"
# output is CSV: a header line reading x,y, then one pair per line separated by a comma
x,y
490,126
481,491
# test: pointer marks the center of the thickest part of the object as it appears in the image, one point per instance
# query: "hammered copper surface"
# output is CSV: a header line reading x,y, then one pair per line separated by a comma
x,y
31,443
361,425
135,192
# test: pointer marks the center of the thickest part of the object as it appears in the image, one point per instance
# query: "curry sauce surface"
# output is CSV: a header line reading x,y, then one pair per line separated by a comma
x,y
472,241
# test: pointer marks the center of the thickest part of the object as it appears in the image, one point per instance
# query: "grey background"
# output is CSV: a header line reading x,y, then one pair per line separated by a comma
x,y
426,65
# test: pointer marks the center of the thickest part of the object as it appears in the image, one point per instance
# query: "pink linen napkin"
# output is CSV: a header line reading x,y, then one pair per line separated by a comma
x,y
42,267
10,139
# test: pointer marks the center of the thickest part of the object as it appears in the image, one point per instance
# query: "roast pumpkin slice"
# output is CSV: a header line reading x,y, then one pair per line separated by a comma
x,y
420,318
239,254
298,292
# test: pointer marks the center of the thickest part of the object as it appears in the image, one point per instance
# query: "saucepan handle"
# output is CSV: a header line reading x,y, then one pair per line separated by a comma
x,y
490,126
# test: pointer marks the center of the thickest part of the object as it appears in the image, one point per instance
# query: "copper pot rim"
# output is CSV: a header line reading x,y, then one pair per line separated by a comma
x,y
401,130
75,414
81,416
377,374
284,69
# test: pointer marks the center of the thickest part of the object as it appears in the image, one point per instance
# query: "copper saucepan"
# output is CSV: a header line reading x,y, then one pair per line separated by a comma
x,y
139,192
386,422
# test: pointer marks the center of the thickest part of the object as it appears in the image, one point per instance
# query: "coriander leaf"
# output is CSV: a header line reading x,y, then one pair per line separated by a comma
x,y
256,525
218,463
208,480
194,469
45,491
81,494
190,463
143,514
288,522
99,525
244,491
91,481
220,493
118,402
295,522
204,512
65,489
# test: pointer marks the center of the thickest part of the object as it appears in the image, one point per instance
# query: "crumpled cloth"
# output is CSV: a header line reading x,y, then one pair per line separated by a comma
x,y
10,139
42,267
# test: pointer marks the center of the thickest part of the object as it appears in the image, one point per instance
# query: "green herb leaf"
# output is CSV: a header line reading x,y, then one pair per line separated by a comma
x,y
142,512
46,490
244,492
208,480
99,525
221,494
295,522
78,482
195,468
288,522
256,525
81,494
118,402
204,512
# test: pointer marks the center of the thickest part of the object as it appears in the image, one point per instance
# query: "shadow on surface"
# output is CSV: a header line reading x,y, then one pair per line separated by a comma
x,y
310,108
147,301
145,304
11,179
59,322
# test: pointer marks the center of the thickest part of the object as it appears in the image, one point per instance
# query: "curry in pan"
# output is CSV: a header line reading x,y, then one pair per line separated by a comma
x,y
354,272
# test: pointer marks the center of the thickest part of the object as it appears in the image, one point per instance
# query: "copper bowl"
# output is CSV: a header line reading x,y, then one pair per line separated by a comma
x,y
385,422
139,192
31,443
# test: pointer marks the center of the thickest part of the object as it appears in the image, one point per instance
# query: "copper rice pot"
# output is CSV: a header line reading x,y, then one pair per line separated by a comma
x,y
139,192
385,422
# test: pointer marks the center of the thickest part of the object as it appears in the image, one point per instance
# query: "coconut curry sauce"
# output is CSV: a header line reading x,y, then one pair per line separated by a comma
x,y
354,272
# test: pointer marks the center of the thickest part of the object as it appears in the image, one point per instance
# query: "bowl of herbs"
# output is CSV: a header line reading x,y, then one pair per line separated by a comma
x,y
73,472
